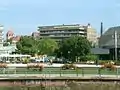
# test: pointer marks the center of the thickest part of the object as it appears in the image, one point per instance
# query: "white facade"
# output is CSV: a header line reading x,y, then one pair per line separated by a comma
x,y
1,35
5,49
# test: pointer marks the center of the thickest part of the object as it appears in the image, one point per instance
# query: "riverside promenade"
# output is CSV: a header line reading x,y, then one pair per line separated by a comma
x,y
57,77
60,76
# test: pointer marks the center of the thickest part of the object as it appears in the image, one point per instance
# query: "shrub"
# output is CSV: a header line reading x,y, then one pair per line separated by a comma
x,y
39,67
3,65
102,62
88,57
109,66
68,66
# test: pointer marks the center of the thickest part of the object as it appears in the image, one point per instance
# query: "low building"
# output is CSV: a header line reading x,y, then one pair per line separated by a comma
x,y
107,41
7,49
103,54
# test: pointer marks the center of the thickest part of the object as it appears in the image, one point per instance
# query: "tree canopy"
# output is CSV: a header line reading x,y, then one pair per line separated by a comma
x,y
74,47
30,45
27,45
47,46
70,48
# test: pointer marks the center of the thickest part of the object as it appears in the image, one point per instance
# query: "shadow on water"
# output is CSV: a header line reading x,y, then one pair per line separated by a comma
x,y
70,86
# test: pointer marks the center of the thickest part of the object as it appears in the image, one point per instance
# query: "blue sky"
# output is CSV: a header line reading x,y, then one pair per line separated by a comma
x,y
25,15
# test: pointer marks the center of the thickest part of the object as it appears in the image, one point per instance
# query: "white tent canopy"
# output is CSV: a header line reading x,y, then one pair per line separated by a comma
x,y
14,55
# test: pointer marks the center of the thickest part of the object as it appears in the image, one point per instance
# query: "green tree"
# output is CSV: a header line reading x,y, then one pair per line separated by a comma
x,y
27,45
30,45
47,46
89,57
74,47
9,40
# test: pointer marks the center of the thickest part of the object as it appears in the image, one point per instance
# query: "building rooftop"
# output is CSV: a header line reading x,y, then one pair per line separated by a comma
x,y
99,51
107,39
111,30
74,26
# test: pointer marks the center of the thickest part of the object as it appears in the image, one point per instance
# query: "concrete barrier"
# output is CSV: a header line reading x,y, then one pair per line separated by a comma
x,y
58,65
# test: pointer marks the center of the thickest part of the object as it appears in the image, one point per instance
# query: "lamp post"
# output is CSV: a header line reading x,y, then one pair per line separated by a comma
x,y
69,55
115,36
115,42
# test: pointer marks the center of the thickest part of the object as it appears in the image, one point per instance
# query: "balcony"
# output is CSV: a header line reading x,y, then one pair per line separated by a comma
x,y
62,36
64,32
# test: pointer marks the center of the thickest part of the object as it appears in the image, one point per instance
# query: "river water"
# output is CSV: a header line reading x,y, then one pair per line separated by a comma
x,y
70,86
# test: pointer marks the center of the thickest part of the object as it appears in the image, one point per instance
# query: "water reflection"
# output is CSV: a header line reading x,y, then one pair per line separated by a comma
x,y
70,86
33,88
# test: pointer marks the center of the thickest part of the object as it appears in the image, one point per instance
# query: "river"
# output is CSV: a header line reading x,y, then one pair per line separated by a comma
x,y
70,86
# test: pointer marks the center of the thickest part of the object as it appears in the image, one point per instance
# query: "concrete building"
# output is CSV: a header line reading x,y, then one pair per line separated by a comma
x,y
36,34
92,35
59,32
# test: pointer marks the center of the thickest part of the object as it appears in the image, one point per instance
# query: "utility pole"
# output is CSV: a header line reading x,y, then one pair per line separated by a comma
x,y
115,43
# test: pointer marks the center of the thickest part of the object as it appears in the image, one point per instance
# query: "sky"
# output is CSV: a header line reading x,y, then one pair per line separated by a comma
x,y
24,16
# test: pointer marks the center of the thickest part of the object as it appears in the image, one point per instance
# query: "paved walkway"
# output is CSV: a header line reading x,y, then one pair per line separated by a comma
x,y
58,75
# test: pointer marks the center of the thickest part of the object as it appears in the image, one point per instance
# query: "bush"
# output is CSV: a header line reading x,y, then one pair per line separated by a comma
x,y
109,66
88,57
26,60
3,65
101,62
68,66
117,63
39,67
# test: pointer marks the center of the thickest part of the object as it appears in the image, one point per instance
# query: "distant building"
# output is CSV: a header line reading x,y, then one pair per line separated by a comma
x,y
1,35
59,32
92,35
9,34
107,41
16,39
5,49
36,34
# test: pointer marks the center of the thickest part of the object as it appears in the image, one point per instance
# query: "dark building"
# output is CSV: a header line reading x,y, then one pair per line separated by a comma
x,y
107,41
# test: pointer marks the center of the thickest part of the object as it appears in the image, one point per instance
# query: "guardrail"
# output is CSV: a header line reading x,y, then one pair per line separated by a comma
x,y
55,70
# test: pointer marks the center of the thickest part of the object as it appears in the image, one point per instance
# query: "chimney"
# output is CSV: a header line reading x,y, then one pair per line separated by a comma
x,y
89,26
101,29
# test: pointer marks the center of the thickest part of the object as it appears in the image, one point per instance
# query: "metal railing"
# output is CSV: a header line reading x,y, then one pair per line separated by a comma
x,y
57,72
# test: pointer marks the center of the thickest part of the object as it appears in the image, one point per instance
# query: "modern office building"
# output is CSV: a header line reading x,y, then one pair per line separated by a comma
x,y
59,32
